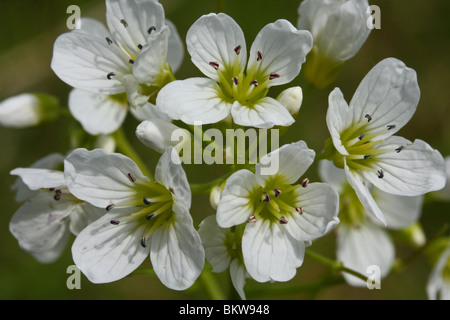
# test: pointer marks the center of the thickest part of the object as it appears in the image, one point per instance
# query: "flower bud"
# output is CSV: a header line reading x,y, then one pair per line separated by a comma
x,y
214,195
28,110
160,134
339,30
291,99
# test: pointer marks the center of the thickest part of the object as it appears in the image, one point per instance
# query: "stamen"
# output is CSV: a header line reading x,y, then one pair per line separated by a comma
x,y
304,182
368,117
254,82
236,80
115,222
237,49
215,65
131,61
57,197
143,242
361,136
171,190
266,197
367,156
391,126
140,46
146,201
299,210
252,218
380,174
151,215
131,177
273,75
109,207
110,75
283,220
151,29
125,24
400,149
110,42
277,192
259,56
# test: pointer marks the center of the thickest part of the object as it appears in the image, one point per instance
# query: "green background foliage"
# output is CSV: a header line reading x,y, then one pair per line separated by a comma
x,y
415,32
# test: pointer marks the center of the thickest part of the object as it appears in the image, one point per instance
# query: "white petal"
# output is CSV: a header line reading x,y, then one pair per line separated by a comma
x,y
339,28
176,252
171,174
389,93
52,254
40,223
84,62
214,239
157,134
175,53
51,161
283,48
235,206
399,211
320,204
82,215
339,118
148,112
98,114
438,287
36,178
152,59
105,252
270,253
289,163
93,28
265,113
415,170
130,21
193,100
20,111
358,248
364,195
331,174
214,38
101,178
238,275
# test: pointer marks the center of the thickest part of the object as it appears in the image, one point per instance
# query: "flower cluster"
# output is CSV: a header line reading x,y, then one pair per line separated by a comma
x,y
268,213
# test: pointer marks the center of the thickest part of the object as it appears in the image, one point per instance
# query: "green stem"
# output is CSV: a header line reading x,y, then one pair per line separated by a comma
x,y
210,283
124,146
334,265
400,264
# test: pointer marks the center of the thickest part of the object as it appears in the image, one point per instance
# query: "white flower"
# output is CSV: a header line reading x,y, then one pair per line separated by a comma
x,y
44,223
363,141
28,110
234,85
280,214
361,240
444,194
223,251
131,56
160,134
144,217
438,287
339,29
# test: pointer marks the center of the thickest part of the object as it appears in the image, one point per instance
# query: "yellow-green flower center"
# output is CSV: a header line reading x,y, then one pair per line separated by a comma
x,y
277,201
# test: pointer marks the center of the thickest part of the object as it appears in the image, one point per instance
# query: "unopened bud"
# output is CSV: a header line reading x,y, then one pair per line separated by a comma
x,y
291,99
28,110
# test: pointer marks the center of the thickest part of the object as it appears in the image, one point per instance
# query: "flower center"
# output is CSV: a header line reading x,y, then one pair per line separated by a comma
x,y
362,144
351,211
277,201
235,84
153,203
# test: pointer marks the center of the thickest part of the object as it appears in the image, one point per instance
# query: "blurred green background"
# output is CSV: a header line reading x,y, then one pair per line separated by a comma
x,y
416,32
